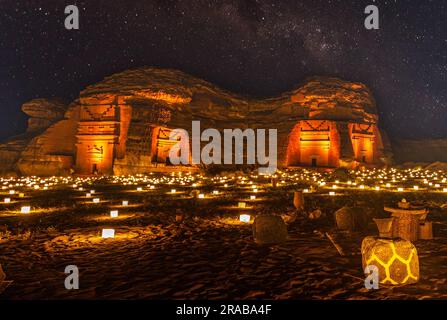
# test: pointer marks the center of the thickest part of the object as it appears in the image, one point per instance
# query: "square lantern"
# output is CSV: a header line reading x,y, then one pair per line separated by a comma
x,y
114,213
25,209
7,200
244,218
96,200
108,233
125,203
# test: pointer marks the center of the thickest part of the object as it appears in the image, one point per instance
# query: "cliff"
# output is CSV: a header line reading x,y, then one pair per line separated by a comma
x,y
141,97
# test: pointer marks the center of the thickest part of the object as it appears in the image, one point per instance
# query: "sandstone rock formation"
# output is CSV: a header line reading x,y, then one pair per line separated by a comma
x,y
121,125
43,112
32,152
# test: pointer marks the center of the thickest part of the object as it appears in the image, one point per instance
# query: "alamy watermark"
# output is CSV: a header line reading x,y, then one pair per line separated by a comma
x,y
372,277
72,18
72,280
250,140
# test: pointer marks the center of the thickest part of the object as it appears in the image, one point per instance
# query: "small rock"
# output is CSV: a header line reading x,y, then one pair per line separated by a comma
x,y
269,229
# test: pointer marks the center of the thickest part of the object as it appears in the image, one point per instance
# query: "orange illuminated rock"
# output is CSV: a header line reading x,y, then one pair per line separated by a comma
x,y
121,125
43,112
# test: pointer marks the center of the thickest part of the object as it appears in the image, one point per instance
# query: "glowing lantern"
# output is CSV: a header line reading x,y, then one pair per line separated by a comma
x,y
201,196
173,191
444,190
396,259
96,200
92,191
255,190
388,185
377,188
400,189
139,189
241,205
21,195
416,188
306,190
125,203
362,187
108,233
88,195
7,200
244,218
437,185
25,210
114,213
252,197
152,187
215,192
332,193
12,192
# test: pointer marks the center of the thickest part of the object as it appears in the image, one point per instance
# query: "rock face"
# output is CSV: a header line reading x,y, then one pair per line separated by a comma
x,y
43,112
53,151
122,124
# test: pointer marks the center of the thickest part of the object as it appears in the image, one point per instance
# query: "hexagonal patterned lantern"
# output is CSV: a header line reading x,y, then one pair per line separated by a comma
x,y
396,259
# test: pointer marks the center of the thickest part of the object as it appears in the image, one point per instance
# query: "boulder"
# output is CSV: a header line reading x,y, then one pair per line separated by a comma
x,y
43,113
352,218
269,229
298,200
396,259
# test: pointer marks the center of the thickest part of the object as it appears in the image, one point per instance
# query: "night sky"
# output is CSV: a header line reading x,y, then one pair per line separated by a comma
x,y
256,47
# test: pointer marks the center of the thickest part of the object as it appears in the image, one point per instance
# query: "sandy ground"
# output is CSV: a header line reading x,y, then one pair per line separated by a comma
x,y
210,255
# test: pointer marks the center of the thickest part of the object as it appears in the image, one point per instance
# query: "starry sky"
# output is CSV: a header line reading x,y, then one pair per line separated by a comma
x,y
255,47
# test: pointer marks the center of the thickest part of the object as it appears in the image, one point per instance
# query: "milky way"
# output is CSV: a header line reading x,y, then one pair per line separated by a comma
x,y
260,48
